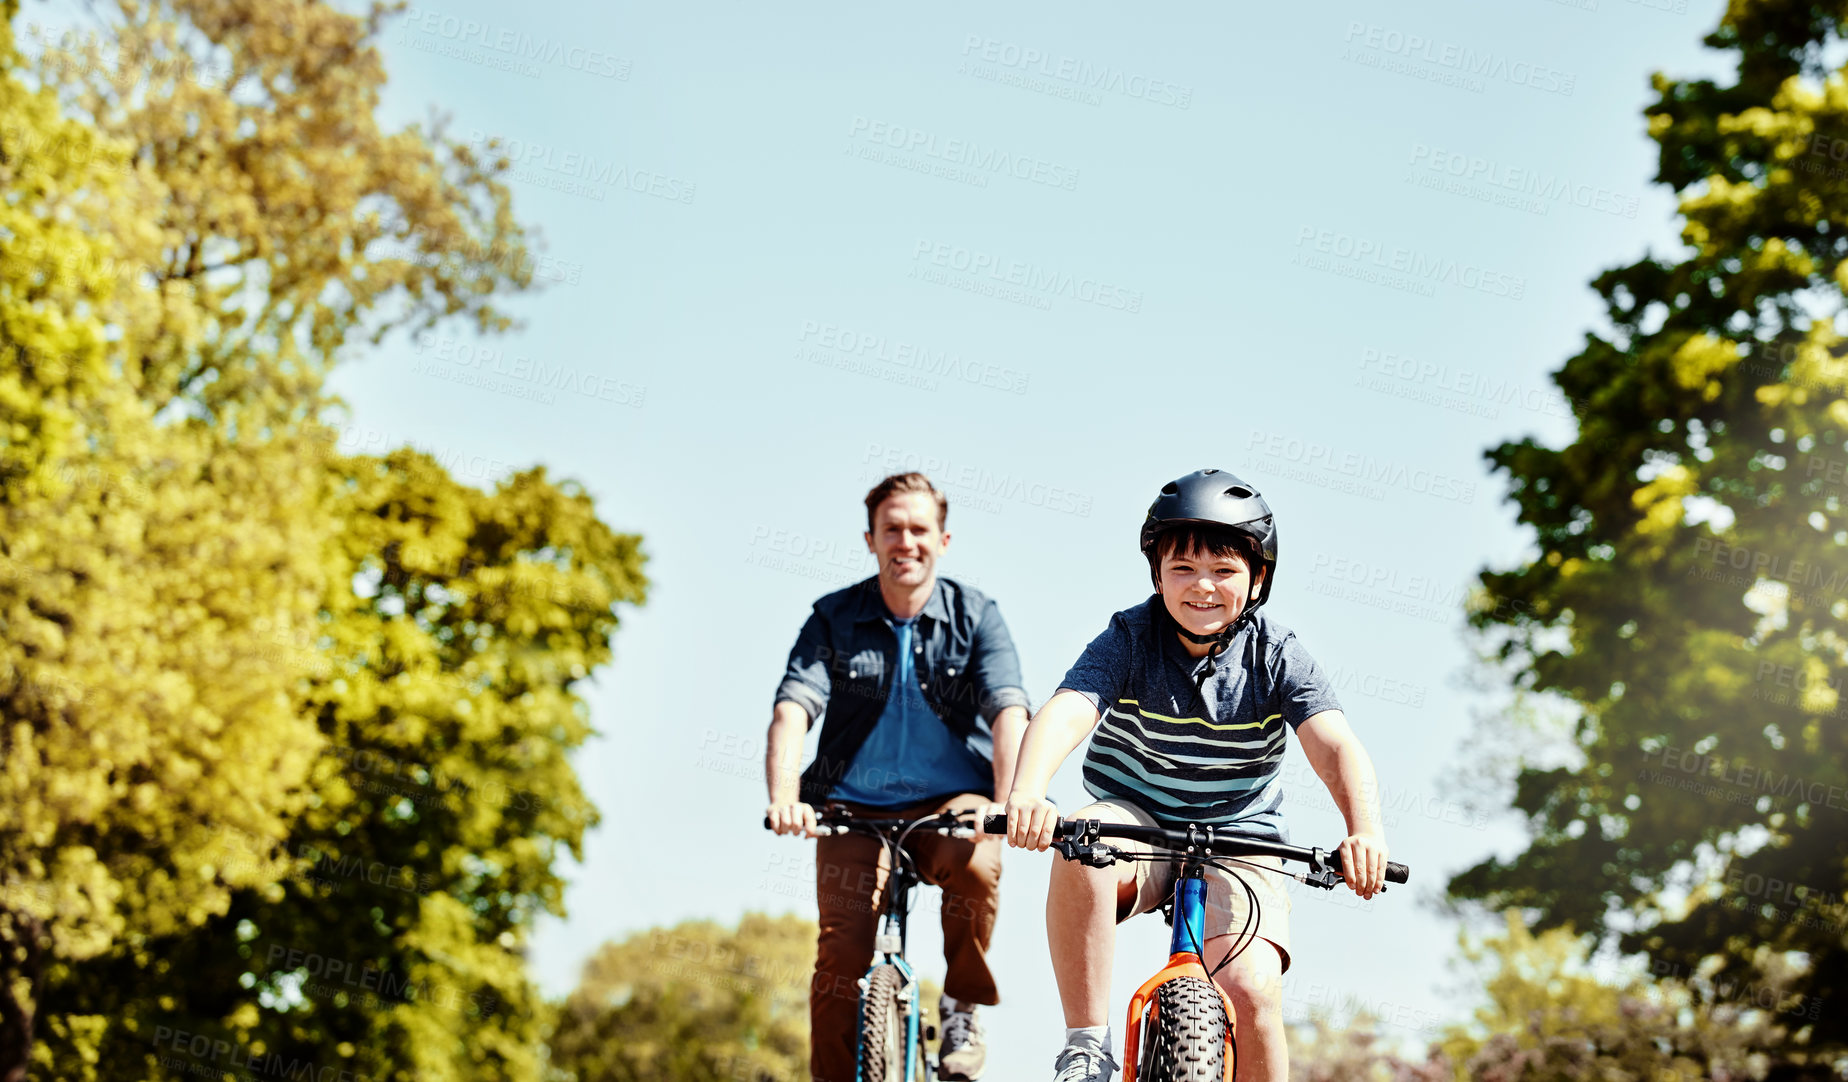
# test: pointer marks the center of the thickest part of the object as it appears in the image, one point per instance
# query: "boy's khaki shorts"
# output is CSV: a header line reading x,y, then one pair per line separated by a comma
x,y
1227,905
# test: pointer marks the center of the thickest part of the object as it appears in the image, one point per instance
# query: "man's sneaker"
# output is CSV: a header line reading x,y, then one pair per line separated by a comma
x,y
1080,1064
961,1056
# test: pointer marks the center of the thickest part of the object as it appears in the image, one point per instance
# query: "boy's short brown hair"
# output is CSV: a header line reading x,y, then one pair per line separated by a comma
x,y
1221,541
905,482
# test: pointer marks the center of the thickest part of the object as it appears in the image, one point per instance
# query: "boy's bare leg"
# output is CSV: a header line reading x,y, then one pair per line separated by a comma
x,y
1082,905
1254,983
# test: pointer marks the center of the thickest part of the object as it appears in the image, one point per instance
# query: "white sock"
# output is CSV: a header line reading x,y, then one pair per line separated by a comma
x,y
1093,1037
949,1004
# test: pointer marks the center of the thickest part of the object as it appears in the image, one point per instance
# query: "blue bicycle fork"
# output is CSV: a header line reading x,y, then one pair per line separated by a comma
x,y
1189,915
889,949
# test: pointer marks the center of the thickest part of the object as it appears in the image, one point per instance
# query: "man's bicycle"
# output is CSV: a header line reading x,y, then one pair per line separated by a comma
x,y
1181,1027
891,1040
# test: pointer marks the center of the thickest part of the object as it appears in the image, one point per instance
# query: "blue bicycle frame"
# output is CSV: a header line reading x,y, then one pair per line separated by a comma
x,y
911,996
889,949
1189,917
889,944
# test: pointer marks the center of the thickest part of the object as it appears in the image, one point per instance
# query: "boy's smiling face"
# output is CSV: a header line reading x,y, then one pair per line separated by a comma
x,y
1204,593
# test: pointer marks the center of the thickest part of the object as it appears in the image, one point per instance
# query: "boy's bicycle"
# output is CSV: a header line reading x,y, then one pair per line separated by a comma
x,y
1181,1027
890,1045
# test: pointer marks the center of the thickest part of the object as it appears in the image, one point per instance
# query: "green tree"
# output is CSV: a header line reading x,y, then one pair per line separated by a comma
x,y
357,867
692,1003
1551,1015
1689,596
1354,1050
138,559
442,671
291,224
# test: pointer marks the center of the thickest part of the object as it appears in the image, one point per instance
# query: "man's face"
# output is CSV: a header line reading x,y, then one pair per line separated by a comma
x,y
1204,593
906,539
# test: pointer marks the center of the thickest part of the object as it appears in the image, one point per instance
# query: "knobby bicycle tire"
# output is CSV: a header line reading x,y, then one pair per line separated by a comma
x,y
882,1027
1190,1038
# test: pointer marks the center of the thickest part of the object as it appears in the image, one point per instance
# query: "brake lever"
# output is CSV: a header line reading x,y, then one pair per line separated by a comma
x,y
1092,854
1322,872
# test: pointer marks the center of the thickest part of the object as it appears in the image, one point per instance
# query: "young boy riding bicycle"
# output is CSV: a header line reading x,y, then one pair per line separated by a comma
x,y
1195,688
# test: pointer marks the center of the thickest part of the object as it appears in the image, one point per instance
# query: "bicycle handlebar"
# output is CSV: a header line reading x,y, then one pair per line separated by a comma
x,y
829,825
1178,840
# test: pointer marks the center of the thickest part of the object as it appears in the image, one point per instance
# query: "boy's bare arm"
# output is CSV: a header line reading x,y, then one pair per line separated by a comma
x,y
1061,725
1343,765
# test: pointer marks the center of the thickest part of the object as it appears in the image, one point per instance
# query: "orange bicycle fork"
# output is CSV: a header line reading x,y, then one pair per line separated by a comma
x,y
1185,947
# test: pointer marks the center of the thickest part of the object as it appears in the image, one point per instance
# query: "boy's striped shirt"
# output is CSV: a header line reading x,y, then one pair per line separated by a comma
x,y
1184,756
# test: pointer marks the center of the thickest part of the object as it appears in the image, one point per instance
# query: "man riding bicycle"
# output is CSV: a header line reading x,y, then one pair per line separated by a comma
x,y
1196,690
917,686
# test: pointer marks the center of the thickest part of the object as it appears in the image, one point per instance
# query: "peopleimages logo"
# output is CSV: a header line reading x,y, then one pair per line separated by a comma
x,y
1412,263
1462,59
578,172
569,55
1391,580
963,152
1038,282
922,360
1361,468
968,479
1078,75
1827,579
1545,186
474,364
1480,391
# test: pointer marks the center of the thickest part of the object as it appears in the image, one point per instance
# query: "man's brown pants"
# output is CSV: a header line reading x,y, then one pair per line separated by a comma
x,y
851,871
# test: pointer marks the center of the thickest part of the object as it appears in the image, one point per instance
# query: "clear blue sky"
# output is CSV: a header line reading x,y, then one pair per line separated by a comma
x,y
1055,255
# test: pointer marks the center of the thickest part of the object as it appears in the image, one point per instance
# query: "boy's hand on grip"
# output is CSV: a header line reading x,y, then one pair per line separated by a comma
x,y
1363,863
1030,821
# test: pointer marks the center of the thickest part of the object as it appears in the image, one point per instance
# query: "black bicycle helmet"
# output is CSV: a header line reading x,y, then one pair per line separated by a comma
x,y
1216,498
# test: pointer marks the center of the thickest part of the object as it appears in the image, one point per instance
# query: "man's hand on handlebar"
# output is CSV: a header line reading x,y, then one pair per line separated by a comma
x,y
792,818
1030,821
1363,863
982,812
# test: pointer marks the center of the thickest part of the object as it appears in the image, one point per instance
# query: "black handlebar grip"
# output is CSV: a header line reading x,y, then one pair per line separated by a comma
x,y
766,822
995,824
1395,872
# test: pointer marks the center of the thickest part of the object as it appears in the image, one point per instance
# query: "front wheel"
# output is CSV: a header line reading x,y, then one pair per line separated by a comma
x,y
882,1026
1190,1038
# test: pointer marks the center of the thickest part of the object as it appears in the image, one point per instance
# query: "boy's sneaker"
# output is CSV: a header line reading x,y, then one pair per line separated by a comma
x,y
1078,1063
961,1056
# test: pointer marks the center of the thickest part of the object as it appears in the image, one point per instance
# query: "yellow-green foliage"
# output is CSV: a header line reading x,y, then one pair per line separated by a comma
x,y
1550,1014
693,1003
138,719
265,708
1689,598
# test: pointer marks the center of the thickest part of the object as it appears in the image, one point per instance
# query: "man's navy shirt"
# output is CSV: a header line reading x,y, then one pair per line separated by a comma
x,y
844,664
911,754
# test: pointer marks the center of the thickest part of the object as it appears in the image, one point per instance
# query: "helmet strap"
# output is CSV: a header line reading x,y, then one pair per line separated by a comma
x,y
1222,640
1217,638
1218,641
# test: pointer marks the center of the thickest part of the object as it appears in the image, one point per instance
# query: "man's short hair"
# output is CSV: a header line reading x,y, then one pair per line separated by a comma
x,y
905,482
1220,541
